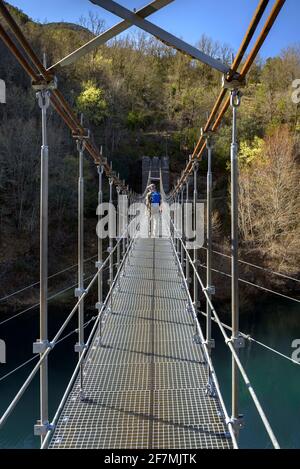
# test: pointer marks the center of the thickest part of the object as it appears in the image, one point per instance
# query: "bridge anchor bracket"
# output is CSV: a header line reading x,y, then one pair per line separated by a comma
x,y
78,292
209,343
197,339
40,346
234,84
99,264
79,347
237,423
41,429
238,342
99,305
206,134
81,137
211,290
43,85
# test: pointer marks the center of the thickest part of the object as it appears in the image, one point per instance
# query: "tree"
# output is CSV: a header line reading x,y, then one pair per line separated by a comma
x,y
91,102
269,199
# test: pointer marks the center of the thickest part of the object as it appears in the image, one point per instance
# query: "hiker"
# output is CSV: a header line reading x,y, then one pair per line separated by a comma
x,y
150,190
155,208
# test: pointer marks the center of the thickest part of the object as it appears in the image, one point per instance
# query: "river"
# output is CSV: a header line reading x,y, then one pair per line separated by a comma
x,y
276,380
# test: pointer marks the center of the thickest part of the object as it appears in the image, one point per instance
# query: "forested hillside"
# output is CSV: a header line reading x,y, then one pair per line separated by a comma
x,y
139,97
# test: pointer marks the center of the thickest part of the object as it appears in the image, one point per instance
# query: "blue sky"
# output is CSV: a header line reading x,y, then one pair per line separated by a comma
x,y
223,20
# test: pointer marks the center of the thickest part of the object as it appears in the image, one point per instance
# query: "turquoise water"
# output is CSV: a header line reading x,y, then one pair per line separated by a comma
x,y
276,381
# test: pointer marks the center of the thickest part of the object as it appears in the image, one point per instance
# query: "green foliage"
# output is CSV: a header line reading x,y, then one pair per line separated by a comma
x,y
140,98
250,153
18,14
91,102
137,120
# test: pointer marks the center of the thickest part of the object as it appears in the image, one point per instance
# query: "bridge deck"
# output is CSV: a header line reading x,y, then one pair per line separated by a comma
x,y
145,383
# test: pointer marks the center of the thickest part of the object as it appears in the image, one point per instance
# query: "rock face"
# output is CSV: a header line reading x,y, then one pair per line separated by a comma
x,y
154,165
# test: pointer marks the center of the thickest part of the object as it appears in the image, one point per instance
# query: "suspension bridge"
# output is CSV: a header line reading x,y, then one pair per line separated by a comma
x,y
145,377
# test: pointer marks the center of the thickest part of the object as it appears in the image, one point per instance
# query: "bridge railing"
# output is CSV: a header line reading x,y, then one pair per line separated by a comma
x,y
183,258
46,84
57,336
94,331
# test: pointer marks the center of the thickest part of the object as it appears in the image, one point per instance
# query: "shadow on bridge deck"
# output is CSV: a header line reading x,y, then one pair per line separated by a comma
x,y
145,380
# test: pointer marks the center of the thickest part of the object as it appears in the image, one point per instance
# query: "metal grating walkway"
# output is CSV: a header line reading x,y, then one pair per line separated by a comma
x,y
145,382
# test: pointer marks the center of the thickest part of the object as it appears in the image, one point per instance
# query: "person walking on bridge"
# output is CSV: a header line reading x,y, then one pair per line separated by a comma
x,y
154,206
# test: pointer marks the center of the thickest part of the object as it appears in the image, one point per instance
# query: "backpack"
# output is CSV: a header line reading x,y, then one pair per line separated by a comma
x,y
155,198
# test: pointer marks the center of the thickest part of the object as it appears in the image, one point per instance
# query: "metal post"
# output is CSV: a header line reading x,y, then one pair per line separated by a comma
x,y
118,236
111,259
100,253
175,223
196,286
235,102
209,287
182,230
127,223
40,346
173,201
187,264
178,227
80,290
124,234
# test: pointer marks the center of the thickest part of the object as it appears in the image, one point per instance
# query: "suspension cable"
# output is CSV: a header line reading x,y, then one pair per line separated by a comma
x,y
257,266
50,276
236,358
2,378
198,151
49,298
251,339
52,344
254,285
66,393
55,295
246,336
230,345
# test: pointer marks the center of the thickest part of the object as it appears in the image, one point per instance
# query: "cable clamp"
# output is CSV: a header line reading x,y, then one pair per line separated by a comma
x,y
236,423
207,135
238,342
100,169
197,339
210,289
235,102
79,347
40,346
43,85
99,305
209,343
189,308
85,136
41,429
195,166
78,292
233,84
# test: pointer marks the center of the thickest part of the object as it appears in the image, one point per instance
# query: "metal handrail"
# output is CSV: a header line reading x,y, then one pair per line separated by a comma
x,y
52,343
208,359
228,342
77,368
